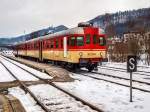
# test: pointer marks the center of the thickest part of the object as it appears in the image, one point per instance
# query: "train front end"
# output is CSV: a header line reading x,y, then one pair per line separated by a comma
x,y
94,49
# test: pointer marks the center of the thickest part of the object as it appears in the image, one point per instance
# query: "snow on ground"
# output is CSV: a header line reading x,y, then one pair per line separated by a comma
x,y
124,66
19,73
27,101
57,100
110,97
34,71
121,81
144,78
54,99
7,52
4,75
107,96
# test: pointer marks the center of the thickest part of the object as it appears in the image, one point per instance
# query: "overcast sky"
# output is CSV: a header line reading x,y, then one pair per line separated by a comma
x,y
17,16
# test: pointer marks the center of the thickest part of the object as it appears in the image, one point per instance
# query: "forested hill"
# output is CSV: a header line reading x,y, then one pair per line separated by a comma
x,y
120,22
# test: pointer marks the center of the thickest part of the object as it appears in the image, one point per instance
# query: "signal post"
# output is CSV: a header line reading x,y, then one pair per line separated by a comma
x,y
131,67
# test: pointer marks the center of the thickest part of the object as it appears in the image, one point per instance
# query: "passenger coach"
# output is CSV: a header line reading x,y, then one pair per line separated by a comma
x,y
82,46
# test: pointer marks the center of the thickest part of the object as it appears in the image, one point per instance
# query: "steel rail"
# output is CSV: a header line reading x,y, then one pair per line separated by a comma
x,y
114,82
121,78
123,70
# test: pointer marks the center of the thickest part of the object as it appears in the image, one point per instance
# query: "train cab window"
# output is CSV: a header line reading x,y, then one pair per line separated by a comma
x,y
72,41
94,39
102,41
57,43
88,39
80,41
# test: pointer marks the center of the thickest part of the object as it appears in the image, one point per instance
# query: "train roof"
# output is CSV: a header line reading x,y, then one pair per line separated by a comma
x,y
76,30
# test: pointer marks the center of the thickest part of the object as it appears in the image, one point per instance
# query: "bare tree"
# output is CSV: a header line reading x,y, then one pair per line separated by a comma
x,y
147,48
133,46
120,51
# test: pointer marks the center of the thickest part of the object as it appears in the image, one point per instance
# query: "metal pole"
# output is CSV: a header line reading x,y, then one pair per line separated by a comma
x,y
130,86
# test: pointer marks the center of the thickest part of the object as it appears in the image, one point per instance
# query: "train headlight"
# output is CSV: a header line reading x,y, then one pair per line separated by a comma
x,y
101,54
80,54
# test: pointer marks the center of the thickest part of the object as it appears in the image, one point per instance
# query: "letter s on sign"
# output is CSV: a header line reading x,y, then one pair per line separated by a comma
x,y
131,61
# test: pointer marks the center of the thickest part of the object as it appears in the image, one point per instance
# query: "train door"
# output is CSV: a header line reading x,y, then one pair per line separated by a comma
x,y
40,50
65,47
25,49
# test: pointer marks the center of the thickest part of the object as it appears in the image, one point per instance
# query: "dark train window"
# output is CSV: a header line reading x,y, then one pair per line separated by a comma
x,y
67,41
61,43
80,41
88,39
57,43
35,46
72,41
32,45
47,44
52,43
28,46
94,39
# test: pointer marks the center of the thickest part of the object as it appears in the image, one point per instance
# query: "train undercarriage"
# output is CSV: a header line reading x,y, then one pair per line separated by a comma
x,y
90,64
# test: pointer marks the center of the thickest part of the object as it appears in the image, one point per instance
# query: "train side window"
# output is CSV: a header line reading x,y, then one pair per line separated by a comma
x,y
88,39
52,43
47,43
68,41
29,46
34,45
57,43
80,41
72,41
94,39
61,43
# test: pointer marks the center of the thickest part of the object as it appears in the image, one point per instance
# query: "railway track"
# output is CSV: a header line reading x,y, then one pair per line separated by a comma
x,y
124,70
25,88
108,78
142,82
52,84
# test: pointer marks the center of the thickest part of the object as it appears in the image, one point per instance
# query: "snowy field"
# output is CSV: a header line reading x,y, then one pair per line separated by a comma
x,y
7,52
21,74
4,75
110,97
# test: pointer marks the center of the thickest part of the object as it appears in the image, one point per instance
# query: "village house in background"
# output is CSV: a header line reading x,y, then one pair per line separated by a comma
x,y
135,43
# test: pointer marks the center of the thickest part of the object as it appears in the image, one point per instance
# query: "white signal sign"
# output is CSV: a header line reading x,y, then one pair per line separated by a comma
x,y
131,64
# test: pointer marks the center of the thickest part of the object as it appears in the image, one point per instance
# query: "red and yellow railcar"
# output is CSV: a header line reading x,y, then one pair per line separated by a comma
x,y
82,46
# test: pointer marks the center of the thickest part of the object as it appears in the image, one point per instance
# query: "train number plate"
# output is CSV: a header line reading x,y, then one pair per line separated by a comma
x,y
91,54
